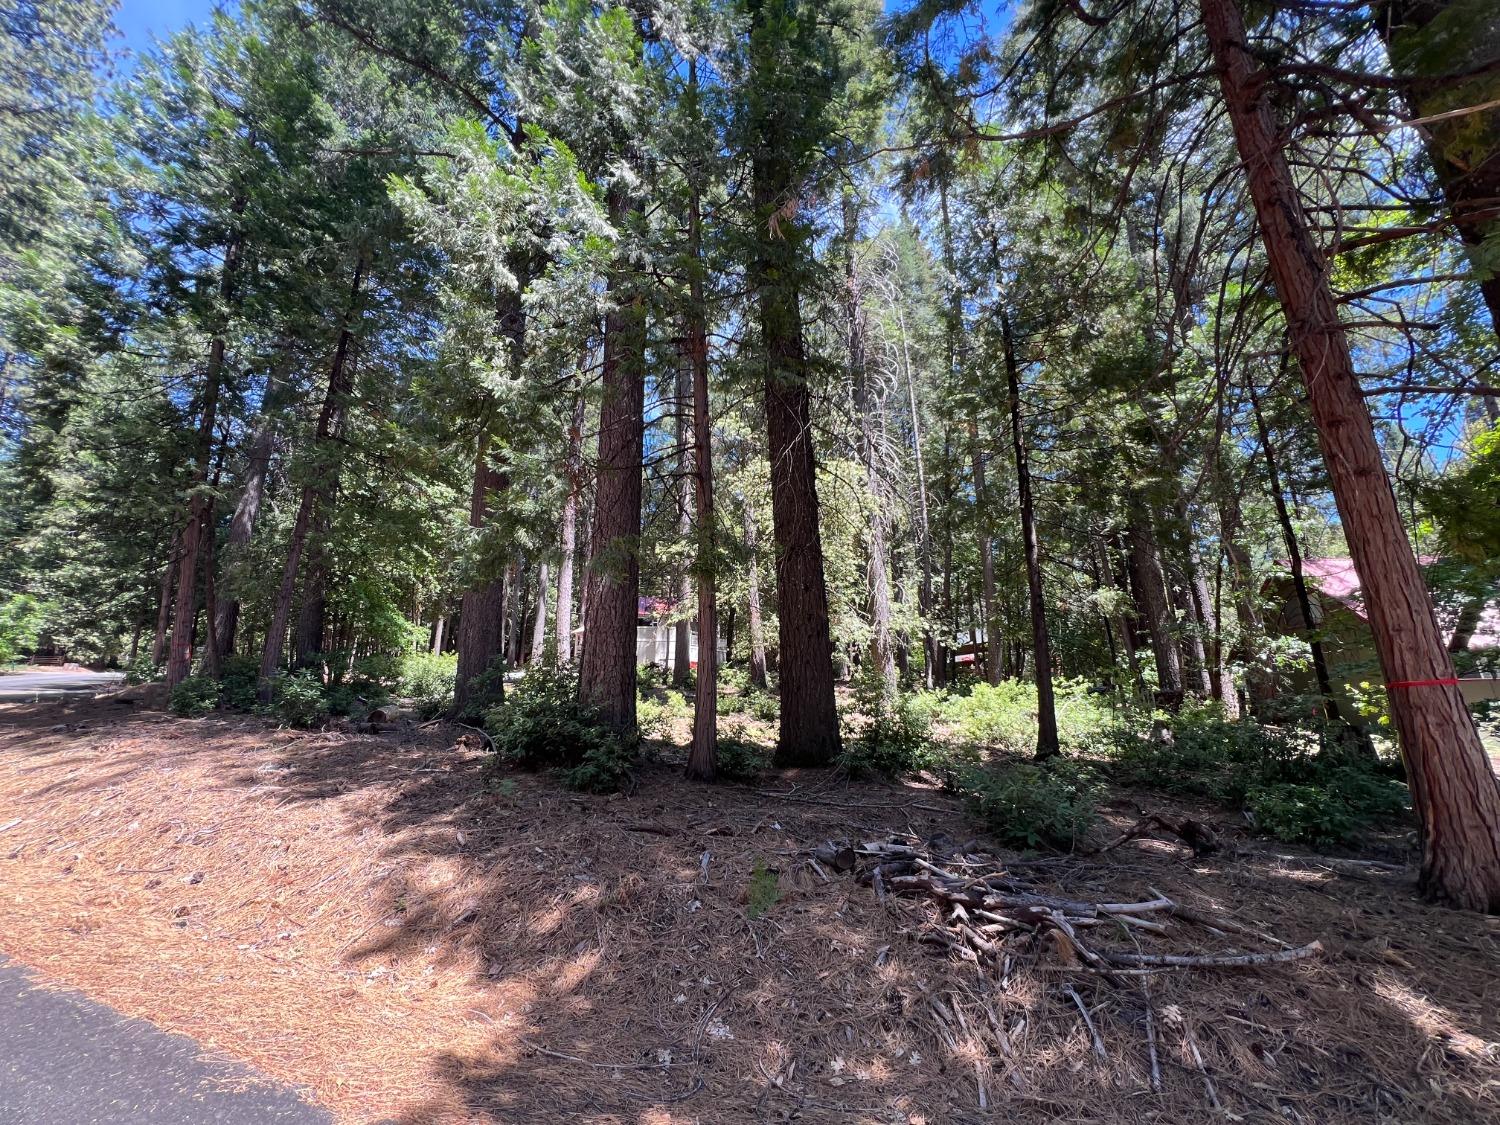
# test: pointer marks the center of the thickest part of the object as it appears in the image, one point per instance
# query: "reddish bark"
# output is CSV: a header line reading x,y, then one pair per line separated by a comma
x,y
164,603
481,614
1453,785
606,678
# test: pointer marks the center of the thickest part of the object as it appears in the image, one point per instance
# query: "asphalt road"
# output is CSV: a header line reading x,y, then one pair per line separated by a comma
x,y
66,1060
39,684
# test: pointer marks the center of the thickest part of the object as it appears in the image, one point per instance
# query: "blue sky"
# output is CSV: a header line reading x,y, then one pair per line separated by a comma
x,y
141,21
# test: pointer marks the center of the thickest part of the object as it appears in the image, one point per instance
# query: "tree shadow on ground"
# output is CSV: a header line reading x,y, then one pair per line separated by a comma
x,y
626,972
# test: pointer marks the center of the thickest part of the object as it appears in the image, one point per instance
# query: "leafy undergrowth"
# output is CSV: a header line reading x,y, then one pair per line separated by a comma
x,y
415,937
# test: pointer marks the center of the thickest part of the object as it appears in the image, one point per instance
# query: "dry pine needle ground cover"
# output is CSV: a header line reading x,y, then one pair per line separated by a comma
x,y
415,938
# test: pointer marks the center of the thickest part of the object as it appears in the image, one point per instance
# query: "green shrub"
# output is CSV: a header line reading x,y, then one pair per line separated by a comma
x,y
658,716
352,697
1298,783
605,768
383,668
1004,715
764,706
427,680
142,670
485,690
734,677
542,724
739,759
893,742
1027,805
649,678
195,696
239,681
763,891
298,699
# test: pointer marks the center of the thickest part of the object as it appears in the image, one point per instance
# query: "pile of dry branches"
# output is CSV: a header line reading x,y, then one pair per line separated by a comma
x,y
985,903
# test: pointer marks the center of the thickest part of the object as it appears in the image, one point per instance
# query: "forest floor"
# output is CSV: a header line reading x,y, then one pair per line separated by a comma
x,y
389,923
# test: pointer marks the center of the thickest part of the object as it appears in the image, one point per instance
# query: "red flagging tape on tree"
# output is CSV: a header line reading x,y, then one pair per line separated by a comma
x,y
1449,681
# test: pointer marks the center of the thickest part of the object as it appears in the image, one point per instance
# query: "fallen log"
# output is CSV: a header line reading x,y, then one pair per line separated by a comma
x,y
1213,960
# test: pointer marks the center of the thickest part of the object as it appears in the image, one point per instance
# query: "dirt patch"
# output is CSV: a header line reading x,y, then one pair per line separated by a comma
x,y
416,939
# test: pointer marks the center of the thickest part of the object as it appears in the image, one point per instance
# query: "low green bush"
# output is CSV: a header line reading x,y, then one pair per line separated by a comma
x,y
737,758
651,677
142,670
1004,715
541,724
485,691
894,741
605,768
427,680
764,706
1029,805
1299,783
239,681
658,715
194,697
298,699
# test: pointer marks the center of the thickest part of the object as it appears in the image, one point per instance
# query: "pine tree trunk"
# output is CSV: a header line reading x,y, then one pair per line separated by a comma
x,y
606,679
702,762
882,656
752,598
1047,744
934,673
569,536
164,603
809,729
481,613
1453,785
1260,682
247,510
200,507
1310,622
213,663
515,610
539,626
312,615
682,661
340,383
953,330
994,659
281,611
1150,591
950,608
1113,573
1188,605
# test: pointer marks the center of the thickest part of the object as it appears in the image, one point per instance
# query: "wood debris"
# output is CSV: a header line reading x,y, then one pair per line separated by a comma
x,y
987,912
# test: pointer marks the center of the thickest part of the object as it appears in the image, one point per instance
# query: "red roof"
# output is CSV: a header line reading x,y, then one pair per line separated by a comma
x,y
654,607
1337,579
